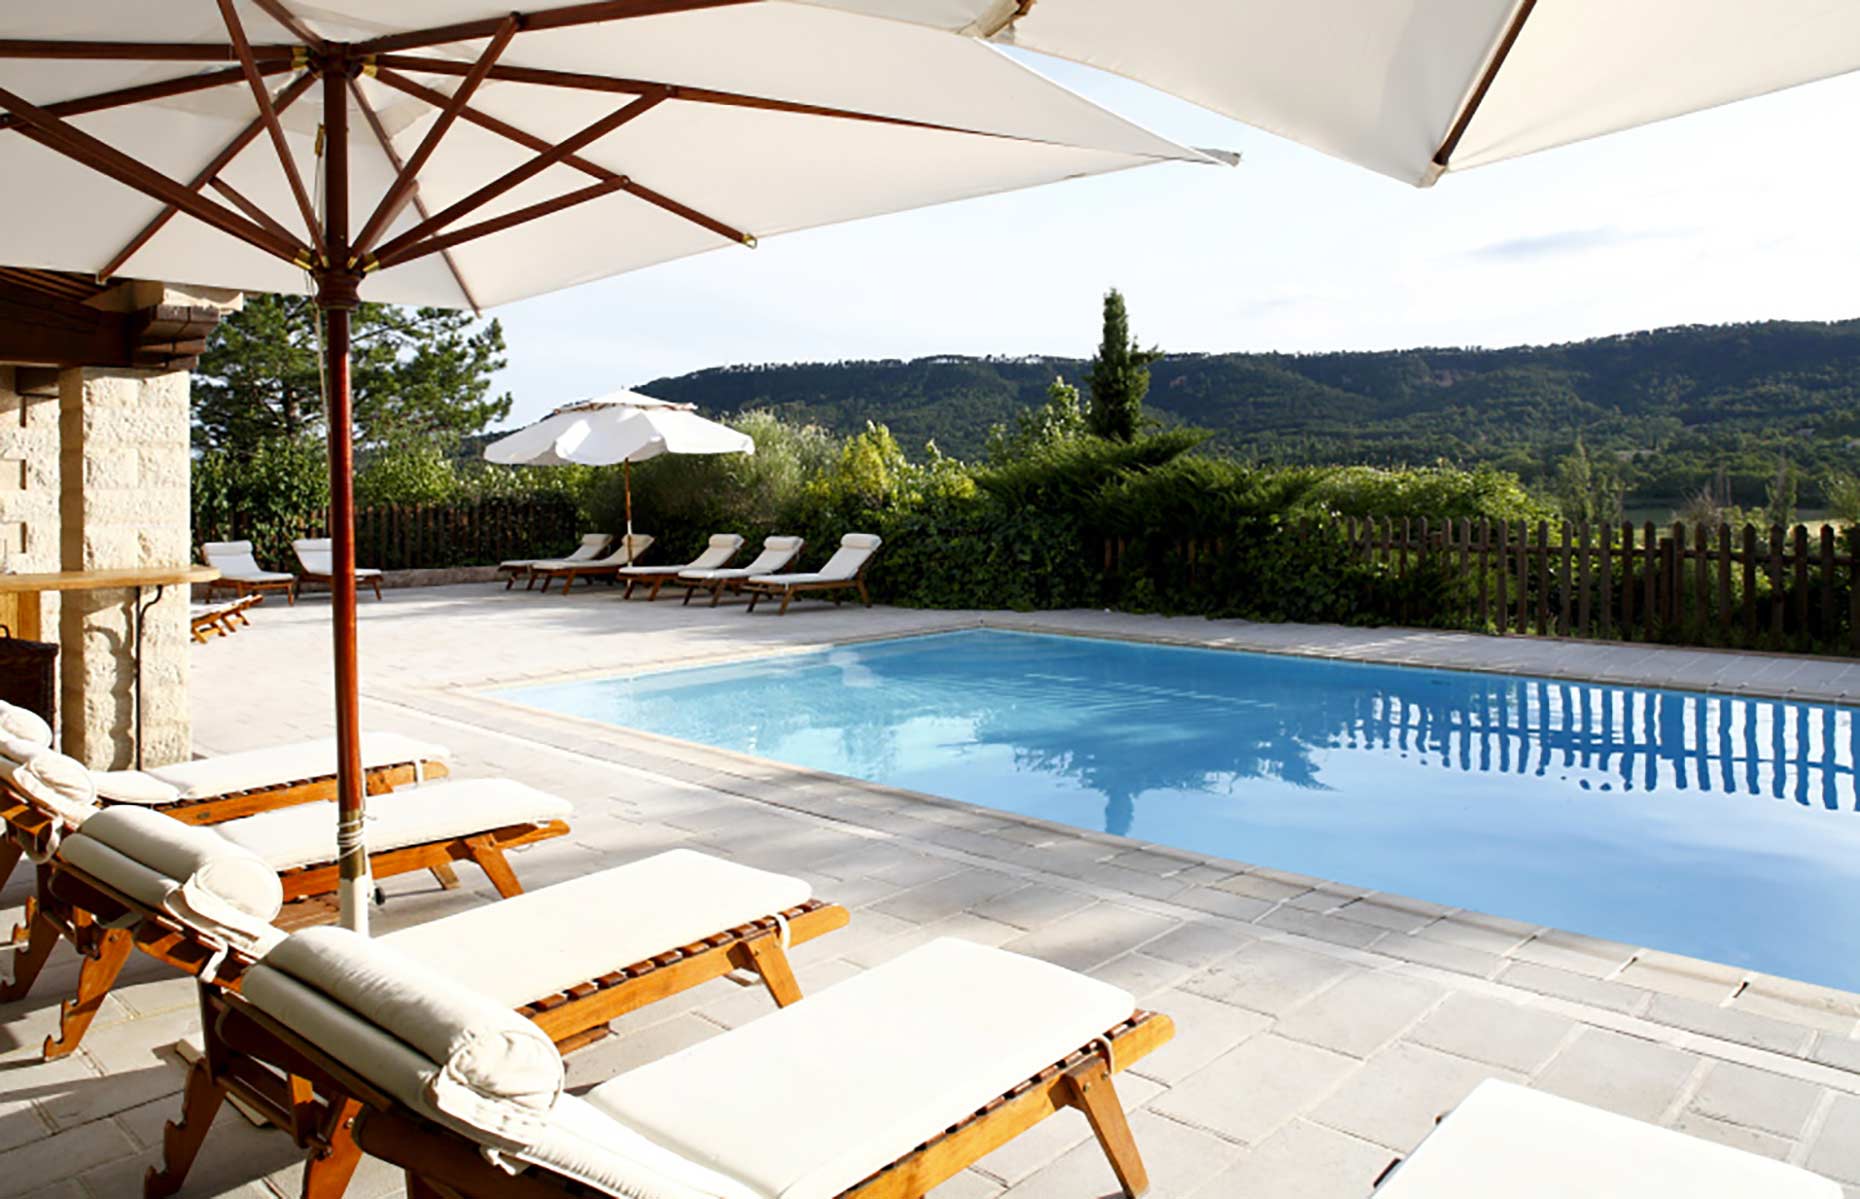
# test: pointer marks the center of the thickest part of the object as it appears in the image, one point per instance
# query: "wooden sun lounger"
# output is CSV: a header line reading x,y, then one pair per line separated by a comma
x,y
61,909
241,574
222,620
607,568
572,1018
335,1115
592,546
315,566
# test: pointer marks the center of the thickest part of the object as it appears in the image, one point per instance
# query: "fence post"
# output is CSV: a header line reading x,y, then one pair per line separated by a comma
x,y
1627,580
1826,626
1801,584
1650,600
1778,594
1605,604
1853,588
1503,561
1485,555
1725,614
1562,623
1750,583
1582,577
1701,546
1545,578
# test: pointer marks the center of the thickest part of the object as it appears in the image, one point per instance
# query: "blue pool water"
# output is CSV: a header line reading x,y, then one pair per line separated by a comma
x,y
1718,827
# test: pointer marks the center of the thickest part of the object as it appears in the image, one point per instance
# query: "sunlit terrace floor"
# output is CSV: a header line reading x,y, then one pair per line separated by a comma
x,y
1322,1029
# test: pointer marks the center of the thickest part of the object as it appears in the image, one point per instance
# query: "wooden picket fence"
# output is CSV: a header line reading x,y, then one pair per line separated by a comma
x,y
1779,589
428,536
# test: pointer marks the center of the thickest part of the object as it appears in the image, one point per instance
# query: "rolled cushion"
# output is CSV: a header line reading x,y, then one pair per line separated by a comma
x,y
274,766
23,724
491,1070
559,936
134,786
305,834
182,855
62,786
809,1100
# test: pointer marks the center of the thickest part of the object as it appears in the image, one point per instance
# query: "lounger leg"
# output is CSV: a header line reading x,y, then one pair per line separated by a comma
x,y
446,877
181,1139
1094,1094
863,597
103,961
769,960
753,597
419,1188
495,865
9,858
327,1172
41,937
716,595
628,593
377,583
787,597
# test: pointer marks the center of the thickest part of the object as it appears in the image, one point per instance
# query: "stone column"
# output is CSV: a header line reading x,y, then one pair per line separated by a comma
x,y
29,484
125,466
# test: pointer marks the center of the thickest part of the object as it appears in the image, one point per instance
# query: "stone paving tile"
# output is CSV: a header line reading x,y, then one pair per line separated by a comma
x,y
1759,1099
1396,1098
1092,936
1377,910
1179,1159
1575,953
1141,975
1673,974
1270,977
1493,1031
1033,905
1836,1149
1488,934
964,925
1547,980
1256,886
1322,927
45,1161
1205,1029
948,895
1360,1014
1426,951
1734,1135
1255,1087
1620,1073
1761,1032
1223,903
1044,1143
1306,1161
1843,1053
1199,943
969,1184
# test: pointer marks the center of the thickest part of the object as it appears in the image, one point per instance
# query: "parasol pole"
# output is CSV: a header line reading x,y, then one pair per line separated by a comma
x,y
336,297
626,474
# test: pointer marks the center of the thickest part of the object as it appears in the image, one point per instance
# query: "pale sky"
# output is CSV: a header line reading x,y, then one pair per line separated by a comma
x,y
1741,213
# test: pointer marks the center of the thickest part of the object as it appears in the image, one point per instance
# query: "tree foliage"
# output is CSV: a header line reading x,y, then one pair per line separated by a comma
x,y
417,373
1119,376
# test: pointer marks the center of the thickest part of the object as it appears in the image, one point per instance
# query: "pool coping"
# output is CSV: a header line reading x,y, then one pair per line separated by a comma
x,y
1814,1026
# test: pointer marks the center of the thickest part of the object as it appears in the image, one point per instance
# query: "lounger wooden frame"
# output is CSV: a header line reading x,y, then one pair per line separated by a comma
x,y
763,589
248,587
104,925
658,576
294,1088
334,1113
223,621
568,575
329,581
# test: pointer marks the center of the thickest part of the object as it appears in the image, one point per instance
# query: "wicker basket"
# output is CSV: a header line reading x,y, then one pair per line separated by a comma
x,y
28,674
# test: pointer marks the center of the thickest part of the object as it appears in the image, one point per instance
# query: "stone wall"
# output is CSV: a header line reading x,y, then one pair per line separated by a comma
x,y
29,484
124,503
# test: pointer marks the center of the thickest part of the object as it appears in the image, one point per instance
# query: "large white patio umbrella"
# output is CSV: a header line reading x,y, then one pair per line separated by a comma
x,y
622,427
1412,88
455,153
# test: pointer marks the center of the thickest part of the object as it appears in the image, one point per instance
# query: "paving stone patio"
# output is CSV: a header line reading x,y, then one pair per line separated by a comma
x,y
1322,1028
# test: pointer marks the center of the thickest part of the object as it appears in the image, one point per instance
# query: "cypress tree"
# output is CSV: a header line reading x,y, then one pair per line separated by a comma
x,y
1119,375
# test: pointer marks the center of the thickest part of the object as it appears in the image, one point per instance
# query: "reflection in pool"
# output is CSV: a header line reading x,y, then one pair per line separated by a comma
x,y
1719,827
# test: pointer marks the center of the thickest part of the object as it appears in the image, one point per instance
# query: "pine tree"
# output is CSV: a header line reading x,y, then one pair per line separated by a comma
x,y
1119,376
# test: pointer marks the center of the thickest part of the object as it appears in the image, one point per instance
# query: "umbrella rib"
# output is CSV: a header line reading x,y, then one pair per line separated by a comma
x,y
696,95
498,224
230,151
1470,109
148,91
402,187
100,156
138,51
419,205
276,11
262,98
523,173
245,204
550,18
504,129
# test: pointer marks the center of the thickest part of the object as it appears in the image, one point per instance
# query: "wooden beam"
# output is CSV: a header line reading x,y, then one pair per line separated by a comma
x,y
582,81
74,143
217,164
387,148
527,171
446,241
552,18
137,51
402,187
1470,109
149,91
506,130
243,48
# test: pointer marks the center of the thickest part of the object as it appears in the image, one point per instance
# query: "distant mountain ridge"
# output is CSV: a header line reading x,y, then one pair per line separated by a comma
x,y
1671,405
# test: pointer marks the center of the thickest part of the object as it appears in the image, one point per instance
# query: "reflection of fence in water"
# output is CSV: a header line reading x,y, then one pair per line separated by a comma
x,y
1634,740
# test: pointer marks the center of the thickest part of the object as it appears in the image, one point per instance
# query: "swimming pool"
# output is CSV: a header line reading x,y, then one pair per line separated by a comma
x,y
1719,827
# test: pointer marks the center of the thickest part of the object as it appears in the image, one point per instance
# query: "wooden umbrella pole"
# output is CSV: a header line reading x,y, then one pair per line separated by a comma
x,y
336,296
626,473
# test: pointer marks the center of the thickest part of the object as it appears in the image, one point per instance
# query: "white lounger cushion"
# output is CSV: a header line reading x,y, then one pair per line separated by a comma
x,y
535,944
620,557
877,1065
776,553
846,561
186,870
305,834
23,724
593,545
461,1055
318,557
58,785
255,769
1522,1144
235,562
722,548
